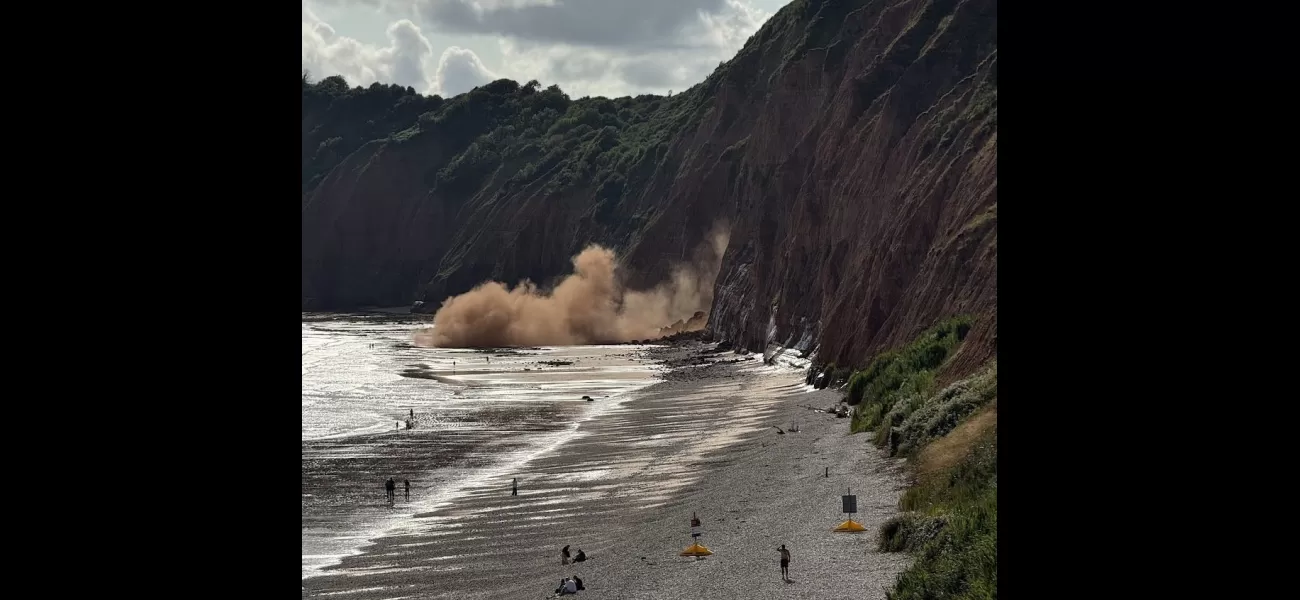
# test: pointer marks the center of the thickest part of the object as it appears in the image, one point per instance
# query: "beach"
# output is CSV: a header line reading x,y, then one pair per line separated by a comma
x,y
477,414
623,483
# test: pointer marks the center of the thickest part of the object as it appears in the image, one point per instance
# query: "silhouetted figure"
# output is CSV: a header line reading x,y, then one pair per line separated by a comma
x,y
514,487
785,563
407,483
390,487
412,413
580,557
564,555
579,583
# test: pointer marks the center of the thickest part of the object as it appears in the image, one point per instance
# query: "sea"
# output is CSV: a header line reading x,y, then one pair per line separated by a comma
x,y
478,414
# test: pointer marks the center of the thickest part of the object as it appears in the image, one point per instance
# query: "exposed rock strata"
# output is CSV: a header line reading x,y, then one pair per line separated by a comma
x,y
851,144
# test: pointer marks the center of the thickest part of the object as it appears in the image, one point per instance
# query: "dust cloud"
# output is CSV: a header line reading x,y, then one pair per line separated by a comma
x,y
589,306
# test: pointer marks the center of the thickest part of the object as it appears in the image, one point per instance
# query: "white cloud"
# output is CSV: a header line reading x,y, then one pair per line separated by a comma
x,y
588,47
608,47
460,70
596,23
407,60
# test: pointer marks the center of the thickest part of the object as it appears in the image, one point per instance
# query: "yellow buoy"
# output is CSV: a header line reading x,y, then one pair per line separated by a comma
x,y
850,526
696,550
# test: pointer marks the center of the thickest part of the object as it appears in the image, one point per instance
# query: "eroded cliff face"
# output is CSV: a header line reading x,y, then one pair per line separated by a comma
x,y
851,144
869,210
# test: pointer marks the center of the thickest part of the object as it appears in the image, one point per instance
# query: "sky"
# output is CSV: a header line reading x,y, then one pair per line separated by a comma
x,y
589,47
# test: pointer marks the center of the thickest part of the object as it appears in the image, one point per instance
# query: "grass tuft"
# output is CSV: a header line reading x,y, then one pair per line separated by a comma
x,y
952,527
950,518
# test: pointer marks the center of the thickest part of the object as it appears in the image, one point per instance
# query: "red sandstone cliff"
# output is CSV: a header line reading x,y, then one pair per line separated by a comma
x,y
852,145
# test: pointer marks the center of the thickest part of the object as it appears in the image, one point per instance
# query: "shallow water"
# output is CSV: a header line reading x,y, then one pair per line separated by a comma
x,y
477,415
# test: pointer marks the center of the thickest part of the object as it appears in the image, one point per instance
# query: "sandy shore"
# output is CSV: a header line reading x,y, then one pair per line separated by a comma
x,y
624,490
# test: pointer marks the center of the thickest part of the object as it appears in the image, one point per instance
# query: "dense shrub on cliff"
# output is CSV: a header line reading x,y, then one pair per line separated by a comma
x,y
908,370
336,120
610,145
950,513
951,526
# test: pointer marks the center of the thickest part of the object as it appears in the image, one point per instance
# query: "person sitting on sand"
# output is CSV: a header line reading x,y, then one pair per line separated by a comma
x,y
564,555
580,557
578,581
567,586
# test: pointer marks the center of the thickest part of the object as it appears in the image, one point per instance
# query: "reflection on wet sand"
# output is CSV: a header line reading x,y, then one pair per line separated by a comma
x,y
635,456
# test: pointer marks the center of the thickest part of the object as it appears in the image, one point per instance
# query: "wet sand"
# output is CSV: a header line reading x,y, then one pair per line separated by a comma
x,y
624,488
477,416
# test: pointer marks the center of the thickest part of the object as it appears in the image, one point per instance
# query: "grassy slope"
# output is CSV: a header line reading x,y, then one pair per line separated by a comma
x,y
950,518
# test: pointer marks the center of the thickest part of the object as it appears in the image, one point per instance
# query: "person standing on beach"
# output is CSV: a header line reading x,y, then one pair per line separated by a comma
x,y
564,555
514,487
785,563
407,483
390,487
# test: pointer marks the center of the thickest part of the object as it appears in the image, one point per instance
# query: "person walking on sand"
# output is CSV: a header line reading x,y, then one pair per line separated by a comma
x,y
785,563
514,487
390,487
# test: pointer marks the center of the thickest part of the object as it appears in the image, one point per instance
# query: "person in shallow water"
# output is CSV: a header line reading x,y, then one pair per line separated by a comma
x,y
390,487
514,487
407,483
